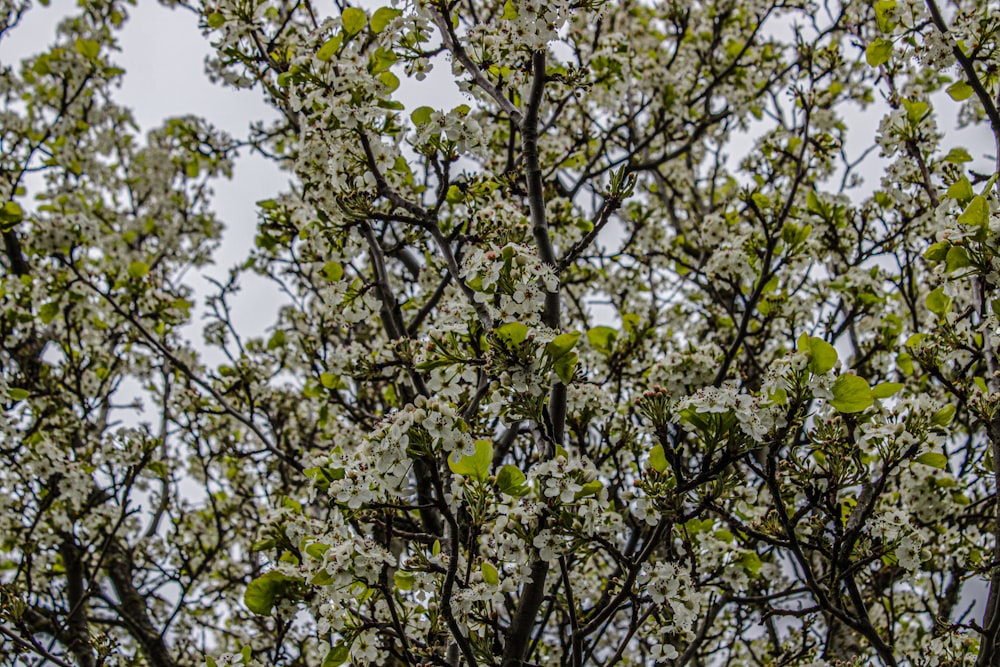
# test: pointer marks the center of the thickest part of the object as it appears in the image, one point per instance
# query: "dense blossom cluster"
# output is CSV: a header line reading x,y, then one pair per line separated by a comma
x,y
566,374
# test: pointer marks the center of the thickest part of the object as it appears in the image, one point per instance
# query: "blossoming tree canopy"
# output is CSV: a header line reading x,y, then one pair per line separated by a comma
x,y
567,373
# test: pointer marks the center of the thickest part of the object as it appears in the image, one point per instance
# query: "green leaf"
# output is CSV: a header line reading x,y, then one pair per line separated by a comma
x,y
958,155
264,591
48,311
330,381
511,481
878,52
961,191
589,489
88,48
382,17
956,259
454,195
938,252
561,344
883,14
944,416
391,82
822,355
17,394
512,333
938,302
934,460
751,562
904,362
333,271
338,655
476,465
354,20
10,214
814,205
490,574
915,110
277,340
658,459
403,580
977,213
509,11
723,535
851,394
886,389
565,367
215,20
959,91
138,269
421,115
330,47
602,338
382,60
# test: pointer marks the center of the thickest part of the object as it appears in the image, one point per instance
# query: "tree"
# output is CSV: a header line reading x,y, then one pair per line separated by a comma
x,y
558,380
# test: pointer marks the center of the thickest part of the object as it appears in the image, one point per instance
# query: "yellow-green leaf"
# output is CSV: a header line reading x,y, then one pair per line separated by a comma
x,y
561,344
330,47
565,367
938,302
354,20
883,14
878,52
333,271
822,355
851,394
512,333
977,213
944,416
476,465
886,389
421,115
602,338
959,91
88,48
589,489
48,311
403,580
264,591
338,655
382,17
511,481
934,460
658,459
490,574
961,191
389,80
138,269
957,258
